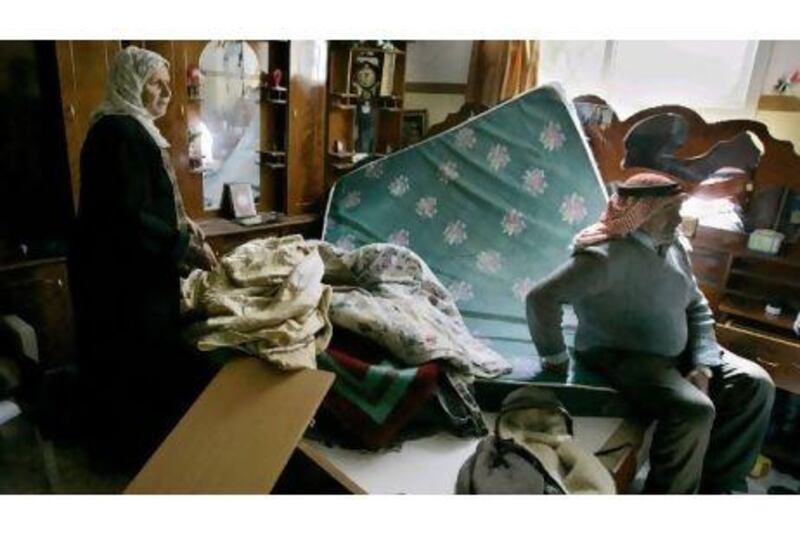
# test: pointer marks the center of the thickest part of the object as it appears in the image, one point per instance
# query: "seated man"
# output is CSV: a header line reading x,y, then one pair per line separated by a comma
x,y
644,324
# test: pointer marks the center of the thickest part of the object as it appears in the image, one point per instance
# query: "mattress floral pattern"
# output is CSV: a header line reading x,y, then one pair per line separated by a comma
x,y
490,205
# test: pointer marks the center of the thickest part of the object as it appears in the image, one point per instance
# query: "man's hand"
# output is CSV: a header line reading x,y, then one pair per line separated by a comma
x,y
558,363
700,377
558,368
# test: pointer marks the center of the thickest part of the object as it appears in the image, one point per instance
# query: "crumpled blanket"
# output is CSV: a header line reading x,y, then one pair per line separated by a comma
x,y
267,299
388,294
372,399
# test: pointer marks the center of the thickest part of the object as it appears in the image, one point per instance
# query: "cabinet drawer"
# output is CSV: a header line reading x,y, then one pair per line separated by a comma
x,y
38,292
778,356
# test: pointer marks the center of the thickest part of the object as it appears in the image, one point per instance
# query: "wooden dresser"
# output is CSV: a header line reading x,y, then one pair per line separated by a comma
x,y
739,283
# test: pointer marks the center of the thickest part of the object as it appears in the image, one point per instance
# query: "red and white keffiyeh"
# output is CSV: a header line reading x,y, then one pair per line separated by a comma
x,y
625,214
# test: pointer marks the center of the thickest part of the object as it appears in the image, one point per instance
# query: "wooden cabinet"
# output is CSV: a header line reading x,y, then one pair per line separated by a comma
x,y
295,127
38,292
343,101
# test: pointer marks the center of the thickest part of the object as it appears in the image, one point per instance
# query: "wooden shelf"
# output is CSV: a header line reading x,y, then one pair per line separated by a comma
x,y
344,101
781,259
777,280
755,311
215,227
368,49
341,155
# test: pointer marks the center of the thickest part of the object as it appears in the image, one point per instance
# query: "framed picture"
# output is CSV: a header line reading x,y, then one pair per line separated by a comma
x,y
238,200
415,125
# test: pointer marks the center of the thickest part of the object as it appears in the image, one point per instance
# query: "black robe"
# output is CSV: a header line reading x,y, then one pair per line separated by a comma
x,y
124,269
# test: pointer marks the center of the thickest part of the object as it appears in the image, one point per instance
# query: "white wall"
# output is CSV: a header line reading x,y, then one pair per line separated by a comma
x,y
785,58
438,61
783,125
448,62
438,105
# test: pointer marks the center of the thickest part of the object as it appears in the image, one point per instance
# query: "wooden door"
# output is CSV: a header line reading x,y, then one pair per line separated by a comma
x,y
307,108
83,69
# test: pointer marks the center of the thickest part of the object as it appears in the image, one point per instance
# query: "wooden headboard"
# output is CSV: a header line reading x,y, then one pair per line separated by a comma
x,y
779,165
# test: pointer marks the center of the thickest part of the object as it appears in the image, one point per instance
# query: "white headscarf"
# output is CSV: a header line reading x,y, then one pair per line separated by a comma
x,y
131,69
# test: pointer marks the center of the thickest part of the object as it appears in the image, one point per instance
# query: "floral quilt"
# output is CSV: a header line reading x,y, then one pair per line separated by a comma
x,y
490,205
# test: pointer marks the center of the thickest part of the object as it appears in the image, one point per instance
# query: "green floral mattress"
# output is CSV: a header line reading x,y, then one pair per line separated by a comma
x,y
491,205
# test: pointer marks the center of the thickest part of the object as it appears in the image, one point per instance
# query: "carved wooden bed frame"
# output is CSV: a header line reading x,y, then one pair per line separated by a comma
x,y
779,165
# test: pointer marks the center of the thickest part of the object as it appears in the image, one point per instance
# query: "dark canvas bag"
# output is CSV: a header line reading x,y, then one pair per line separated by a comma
x,y
501,466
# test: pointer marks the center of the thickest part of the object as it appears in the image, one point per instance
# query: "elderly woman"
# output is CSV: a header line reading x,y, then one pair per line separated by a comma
x,y
133,238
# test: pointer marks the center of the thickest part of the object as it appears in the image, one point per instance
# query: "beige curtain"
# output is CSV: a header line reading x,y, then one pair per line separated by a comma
x,y
501,69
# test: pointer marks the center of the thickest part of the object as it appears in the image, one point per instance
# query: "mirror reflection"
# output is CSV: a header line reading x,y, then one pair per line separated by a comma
x,y
224,135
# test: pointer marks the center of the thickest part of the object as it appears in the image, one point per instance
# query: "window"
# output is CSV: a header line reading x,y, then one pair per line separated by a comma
x,y
720,79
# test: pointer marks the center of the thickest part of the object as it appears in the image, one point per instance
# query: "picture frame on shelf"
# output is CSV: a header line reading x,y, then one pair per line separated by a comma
x,y
238,200
415,126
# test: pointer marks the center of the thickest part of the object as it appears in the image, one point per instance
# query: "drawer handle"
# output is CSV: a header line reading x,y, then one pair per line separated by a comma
x,y
770,364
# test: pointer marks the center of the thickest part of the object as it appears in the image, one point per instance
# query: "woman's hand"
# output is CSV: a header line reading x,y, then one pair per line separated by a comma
x,y
209,257
195,229
200,255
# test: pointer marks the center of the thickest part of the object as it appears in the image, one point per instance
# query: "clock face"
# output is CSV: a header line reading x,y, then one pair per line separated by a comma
x,y
366,77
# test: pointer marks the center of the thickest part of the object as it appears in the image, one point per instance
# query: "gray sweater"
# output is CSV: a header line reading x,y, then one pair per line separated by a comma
x,y
627,295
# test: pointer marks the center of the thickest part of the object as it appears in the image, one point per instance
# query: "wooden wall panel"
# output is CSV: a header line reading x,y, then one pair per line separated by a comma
x,y
307,100
173,125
